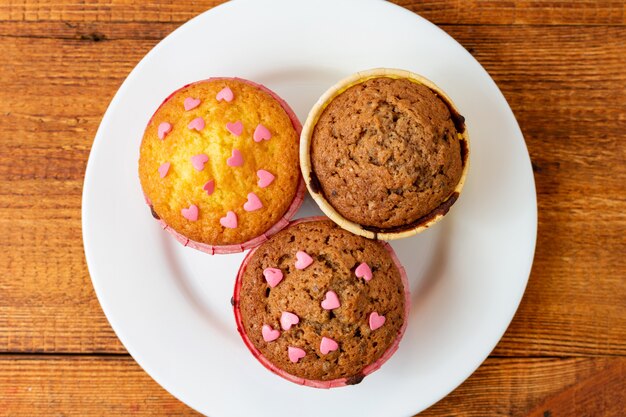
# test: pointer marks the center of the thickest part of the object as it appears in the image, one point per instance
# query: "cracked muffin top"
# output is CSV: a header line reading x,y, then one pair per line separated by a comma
x,y
386,153
219,161
321,303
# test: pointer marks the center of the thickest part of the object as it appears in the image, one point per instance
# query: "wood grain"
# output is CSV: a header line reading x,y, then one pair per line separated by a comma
x,y
518,12
528,12
116,386
601,394
560,65
572,117
513,387
81,386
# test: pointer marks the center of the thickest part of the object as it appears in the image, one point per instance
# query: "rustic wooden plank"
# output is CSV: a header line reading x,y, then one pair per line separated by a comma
x,y
508,12
566,86
116,386
91,31
103,10
601,394
81,386
513,387
519,12
47,302
569,113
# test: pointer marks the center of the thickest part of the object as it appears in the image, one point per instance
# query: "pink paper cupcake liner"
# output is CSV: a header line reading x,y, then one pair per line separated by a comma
x,y
339,382
280,224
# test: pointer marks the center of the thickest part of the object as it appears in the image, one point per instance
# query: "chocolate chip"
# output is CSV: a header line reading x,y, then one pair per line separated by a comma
x,y
355,379
314,183
154,214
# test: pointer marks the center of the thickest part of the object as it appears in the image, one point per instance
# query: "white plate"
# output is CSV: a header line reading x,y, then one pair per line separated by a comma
x,y
170,305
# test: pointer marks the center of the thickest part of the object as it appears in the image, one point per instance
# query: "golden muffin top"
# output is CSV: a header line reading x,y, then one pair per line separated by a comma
x,y
219,161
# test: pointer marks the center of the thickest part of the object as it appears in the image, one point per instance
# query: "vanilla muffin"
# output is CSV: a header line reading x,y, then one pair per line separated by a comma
x,y
385,153
218,164
321,306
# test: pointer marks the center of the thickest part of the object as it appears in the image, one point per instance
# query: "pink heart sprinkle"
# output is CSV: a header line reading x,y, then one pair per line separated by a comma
x,y
226,94
295,354
363,271
163,129
331,301
288,319
236,160
273,276
328,345
163,169
230,220
235,128
261,133
303,260
209,187
191,103
265,178
376,321
197,123
190,213
253,203
269,334
199,160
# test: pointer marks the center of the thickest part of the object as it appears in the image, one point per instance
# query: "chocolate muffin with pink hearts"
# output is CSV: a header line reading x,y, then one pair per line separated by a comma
x,y
321,306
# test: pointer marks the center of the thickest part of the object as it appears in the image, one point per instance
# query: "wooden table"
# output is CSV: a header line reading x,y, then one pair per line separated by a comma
x,y
561,66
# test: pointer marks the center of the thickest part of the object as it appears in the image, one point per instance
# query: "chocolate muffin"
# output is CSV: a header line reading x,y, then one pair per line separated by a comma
x,y
321,306
387,153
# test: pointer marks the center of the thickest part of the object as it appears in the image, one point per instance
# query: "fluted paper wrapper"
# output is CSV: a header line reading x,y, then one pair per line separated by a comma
x,y
339,382
305,157
280,224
